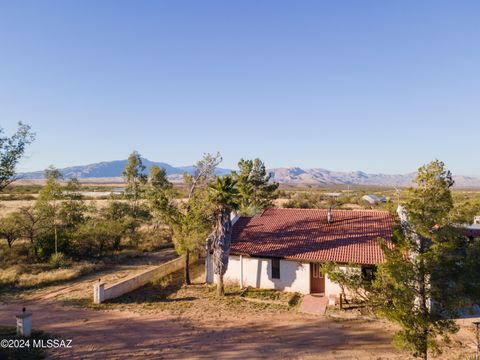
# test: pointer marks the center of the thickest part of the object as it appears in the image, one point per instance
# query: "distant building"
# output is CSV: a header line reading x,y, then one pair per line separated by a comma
x,y
118,191
473,230
374,199
332,194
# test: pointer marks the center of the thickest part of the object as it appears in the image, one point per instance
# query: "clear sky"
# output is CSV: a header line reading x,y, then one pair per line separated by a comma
x,y
378,86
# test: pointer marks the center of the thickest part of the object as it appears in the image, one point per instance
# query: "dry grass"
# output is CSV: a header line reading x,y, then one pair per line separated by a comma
x,y
23,276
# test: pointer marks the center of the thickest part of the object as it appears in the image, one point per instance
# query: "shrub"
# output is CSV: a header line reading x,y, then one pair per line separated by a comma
x,y
58,260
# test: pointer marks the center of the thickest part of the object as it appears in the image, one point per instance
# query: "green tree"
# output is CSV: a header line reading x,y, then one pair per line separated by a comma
x,y
189,220
31,225
225,198
11,150
116,210
97,236
431,272
10,228
135,179
422,305
256,190
48,202
349,278
73,208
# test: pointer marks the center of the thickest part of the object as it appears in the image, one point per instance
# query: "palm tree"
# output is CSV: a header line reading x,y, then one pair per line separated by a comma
x,y
225,198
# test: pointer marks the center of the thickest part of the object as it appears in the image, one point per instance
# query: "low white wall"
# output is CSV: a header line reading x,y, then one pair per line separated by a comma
x,y
257,272
102,292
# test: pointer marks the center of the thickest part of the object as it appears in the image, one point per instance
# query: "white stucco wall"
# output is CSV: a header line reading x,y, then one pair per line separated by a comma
x,y
331,288
257,272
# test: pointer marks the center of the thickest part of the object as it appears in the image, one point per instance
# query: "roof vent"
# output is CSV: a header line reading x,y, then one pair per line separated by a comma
x,y
329,215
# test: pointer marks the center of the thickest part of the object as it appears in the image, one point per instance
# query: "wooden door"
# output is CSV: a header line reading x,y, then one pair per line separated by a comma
x,y
317,280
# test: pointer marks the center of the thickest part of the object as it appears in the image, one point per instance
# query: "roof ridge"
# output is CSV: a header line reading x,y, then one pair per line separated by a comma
x,y
333,209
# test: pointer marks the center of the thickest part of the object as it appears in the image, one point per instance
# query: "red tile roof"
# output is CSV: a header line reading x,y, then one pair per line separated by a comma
x,y
304,234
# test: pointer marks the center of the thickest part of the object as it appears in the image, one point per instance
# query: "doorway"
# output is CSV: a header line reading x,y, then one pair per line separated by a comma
x,y
317,279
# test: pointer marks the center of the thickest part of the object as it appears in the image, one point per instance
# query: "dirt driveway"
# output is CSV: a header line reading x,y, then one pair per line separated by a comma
x,y
191,323
122,334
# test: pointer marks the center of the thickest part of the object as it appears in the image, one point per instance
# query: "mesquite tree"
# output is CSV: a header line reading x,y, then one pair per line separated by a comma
x,y
225,197
135,179
11,150
189,220
48,202
10,229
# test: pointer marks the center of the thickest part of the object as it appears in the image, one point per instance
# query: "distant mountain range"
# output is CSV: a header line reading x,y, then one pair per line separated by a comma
x,y
319,176
113,170
291,176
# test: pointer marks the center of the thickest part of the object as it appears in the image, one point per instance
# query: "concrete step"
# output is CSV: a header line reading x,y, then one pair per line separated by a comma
x,y
314,304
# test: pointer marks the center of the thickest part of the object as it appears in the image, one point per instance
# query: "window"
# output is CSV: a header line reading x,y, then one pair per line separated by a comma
x,y
317,271
276,268
368,273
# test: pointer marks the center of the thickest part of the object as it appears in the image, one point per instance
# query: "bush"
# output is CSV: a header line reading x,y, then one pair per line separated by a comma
x,y
153,239
19,253
98,237
58,261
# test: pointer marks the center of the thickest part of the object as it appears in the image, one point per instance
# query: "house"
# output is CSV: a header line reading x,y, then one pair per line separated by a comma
x,y
284,248
374,199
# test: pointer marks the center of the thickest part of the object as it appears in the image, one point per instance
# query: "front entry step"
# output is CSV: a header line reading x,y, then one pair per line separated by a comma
x,y
314,304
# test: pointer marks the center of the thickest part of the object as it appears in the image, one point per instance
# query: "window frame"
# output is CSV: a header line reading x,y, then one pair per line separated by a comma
x,y
317,271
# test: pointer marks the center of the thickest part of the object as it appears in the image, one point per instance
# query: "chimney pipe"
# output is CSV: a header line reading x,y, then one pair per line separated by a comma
x,y
329,215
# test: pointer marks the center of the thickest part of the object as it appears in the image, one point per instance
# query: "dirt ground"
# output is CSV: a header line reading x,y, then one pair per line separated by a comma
x,y
167,321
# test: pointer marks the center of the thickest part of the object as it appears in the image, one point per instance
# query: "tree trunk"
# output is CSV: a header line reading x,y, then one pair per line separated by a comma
x,y
423,298
56,240
221,247
342,288
220,288
186,273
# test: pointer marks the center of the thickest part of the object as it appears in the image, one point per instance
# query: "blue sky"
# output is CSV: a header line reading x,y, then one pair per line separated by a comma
x,y
379,86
